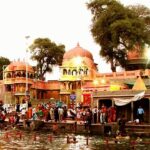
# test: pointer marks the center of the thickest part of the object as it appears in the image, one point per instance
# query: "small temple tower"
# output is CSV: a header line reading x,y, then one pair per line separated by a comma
x,y
17,78
138,59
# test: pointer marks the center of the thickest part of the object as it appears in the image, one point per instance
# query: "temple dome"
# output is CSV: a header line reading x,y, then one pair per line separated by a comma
x,y
77,52
79,57
19,66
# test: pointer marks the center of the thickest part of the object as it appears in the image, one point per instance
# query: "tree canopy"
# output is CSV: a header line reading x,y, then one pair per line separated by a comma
x,y
47,54
143,13
3,63
117,29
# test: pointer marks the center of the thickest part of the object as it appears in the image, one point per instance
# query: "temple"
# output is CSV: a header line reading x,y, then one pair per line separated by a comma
x,y
80,83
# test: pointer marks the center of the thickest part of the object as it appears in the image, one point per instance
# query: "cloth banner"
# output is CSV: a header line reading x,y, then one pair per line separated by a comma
x,y
125,101
87,99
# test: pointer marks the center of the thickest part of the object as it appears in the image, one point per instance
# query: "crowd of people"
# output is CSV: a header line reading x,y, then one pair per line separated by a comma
x,y
49,112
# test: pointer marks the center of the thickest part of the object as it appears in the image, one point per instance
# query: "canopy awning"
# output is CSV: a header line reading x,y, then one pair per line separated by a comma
x,y
125,101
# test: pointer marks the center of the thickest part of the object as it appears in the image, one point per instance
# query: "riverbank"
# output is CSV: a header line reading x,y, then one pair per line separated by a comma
x,y
78,127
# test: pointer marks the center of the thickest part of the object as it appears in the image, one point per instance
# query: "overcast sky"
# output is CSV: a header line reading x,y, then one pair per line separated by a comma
x,y
63,21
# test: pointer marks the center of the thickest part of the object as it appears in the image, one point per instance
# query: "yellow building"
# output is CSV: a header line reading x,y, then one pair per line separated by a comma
x,y
77,68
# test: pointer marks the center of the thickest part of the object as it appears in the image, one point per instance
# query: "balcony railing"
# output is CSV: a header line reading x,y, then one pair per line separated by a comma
x,y
125,74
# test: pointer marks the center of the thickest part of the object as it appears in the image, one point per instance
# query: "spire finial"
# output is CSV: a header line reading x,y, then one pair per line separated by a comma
x,y
78,44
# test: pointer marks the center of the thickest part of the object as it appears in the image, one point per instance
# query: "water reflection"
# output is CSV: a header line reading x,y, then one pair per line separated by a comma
x,y
12,140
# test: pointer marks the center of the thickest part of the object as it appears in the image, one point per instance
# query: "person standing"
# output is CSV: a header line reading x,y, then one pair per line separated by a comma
x,y
17,107
94,111
64,113
88,119
51,111
103,114
2,116
140,114
56,114
122,123
60,113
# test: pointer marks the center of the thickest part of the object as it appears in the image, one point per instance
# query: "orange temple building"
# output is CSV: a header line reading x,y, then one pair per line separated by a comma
x,y
80,83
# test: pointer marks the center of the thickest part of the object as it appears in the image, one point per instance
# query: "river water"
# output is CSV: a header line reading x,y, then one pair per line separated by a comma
x,y
26,140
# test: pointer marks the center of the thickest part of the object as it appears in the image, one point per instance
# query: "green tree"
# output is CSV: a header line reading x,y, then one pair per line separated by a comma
x,y
142,12
47,54
117,29
3,63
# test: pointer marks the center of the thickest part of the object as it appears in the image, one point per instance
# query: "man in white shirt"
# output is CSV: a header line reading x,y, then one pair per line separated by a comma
x,y
140,114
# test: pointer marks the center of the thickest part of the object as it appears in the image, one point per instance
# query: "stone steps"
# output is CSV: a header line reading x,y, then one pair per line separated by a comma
x,y
138,130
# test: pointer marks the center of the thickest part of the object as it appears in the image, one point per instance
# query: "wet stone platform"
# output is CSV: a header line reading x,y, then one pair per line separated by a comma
x,y
71,126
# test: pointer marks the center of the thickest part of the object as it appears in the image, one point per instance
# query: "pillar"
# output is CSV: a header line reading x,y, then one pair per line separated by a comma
x,y
67,86
67,100
112,103
149,110
132,111
98,109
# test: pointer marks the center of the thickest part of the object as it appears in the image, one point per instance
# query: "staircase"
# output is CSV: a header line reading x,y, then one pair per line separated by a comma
x,y
138,129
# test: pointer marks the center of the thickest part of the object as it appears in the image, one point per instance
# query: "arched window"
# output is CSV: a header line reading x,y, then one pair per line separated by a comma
x,y
86,71
69,72
18,74
64,71
31,76
8,75
74,72
23,74
81,72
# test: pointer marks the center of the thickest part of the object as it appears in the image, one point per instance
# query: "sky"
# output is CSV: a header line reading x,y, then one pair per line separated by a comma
x,y
62,21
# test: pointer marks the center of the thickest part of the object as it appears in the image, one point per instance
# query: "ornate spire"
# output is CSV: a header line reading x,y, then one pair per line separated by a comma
x,y
78,45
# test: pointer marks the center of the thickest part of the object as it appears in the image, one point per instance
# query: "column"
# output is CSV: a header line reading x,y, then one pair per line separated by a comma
x,y
132,111
67,87
113,103
97,100
149,110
